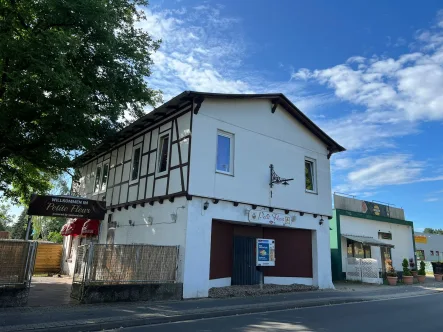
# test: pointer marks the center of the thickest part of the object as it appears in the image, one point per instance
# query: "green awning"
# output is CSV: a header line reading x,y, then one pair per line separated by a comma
x,y
368,241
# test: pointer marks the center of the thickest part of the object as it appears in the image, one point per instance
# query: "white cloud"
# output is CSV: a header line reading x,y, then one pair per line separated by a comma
x,y
372,172
410,86
432,199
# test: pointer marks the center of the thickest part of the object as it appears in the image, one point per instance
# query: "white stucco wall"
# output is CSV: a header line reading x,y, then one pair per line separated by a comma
x,y
401,238
434,243
261,139
198,247
68,264
163,230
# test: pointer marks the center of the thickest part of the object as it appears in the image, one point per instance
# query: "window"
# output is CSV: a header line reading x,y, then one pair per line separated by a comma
x,y
384,236
420,254
437,253
310,180
358,250
111,230
432,252
97,178
135,169
163,150
104,177
225,153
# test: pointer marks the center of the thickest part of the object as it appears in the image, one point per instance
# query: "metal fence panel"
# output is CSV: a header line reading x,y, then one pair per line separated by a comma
x,y
17,260
80,264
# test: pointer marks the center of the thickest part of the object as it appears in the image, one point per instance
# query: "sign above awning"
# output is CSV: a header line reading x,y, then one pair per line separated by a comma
x,y
90,227
368,240
270,218
66,206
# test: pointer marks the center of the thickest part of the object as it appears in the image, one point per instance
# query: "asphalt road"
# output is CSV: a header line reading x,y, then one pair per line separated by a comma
x,y
423,313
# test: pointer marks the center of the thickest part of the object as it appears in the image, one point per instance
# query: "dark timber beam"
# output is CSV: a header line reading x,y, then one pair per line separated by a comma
x,y
274,105
196,104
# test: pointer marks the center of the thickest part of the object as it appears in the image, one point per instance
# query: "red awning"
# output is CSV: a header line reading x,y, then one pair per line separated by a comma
x,y
74,228
63,231
90,227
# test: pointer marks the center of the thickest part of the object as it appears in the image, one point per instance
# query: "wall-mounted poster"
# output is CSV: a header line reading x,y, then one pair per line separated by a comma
x,y
265,252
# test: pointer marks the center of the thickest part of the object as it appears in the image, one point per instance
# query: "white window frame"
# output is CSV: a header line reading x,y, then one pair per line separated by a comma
x,y
314,175
135,147
231,137
168,155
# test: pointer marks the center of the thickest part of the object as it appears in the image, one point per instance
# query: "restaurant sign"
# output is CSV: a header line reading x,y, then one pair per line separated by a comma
x,y
66,206
421,239
269,218
375,209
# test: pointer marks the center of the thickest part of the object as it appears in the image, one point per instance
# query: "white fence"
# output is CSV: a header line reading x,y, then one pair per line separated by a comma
x,y
364,270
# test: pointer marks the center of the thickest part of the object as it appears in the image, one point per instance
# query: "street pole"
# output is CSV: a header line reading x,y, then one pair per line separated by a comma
x,y
28,229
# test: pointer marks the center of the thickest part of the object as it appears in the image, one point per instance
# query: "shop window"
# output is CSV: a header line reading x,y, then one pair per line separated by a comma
x,y
420,254
384,236
135,168
225,153
310,176
163,151
358,250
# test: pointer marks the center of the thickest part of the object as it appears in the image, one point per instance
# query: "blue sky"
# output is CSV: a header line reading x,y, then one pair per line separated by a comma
x,y
368,72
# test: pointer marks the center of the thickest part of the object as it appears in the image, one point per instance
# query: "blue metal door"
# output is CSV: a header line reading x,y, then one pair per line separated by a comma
x,y
244,271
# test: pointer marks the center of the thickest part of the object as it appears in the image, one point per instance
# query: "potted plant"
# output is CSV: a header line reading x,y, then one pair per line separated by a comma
x,y
421,273
391,275
413,268
437,272
408,279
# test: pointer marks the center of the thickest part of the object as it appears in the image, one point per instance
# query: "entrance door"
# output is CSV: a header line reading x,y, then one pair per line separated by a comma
x,y
385,255
244,271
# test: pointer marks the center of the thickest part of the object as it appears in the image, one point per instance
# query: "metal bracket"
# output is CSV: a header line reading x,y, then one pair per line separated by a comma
x,y
275,179
274,105
196,104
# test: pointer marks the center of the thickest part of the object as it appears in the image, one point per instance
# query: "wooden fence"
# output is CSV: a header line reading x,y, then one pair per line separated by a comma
x,y
49,258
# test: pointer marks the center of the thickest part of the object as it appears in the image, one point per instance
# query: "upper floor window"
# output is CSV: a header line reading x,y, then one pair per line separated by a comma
x,y
225,152
104,177
98,174
163,151
384,236
310,175
135,169
101,177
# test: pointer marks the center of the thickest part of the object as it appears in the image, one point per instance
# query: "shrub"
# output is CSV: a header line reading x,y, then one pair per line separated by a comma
x,y
421,270
406,271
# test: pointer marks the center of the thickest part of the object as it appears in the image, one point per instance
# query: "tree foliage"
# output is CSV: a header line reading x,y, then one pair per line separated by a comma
x,y
6,218
19,228
433,231
69,70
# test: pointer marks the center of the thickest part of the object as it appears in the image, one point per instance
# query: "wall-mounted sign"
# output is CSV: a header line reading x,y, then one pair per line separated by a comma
x,y
421,239
270,218
265,252
375,209
66,206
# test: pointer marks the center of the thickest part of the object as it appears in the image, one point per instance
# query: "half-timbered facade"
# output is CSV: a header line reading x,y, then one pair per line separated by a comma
x,y
190,172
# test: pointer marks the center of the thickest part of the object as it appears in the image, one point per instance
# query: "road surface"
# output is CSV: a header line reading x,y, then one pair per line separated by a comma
x,y
422,313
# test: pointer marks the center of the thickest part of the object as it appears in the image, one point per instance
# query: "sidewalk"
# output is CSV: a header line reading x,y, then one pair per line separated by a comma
x,y
109,316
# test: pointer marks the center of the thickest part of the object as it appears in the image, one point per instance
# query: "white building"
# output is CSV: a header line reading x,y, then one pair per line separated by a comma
x,y
195,171
368,231
429,247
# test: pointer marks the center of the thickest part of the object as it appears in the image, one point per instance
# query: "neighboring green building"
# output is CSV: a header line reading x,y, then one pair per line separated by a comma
x,y
370,231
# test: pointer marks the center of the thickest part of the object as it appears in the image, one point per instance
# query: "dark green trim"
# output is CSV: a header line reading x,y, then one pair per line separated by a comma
x,y
335,244
372,217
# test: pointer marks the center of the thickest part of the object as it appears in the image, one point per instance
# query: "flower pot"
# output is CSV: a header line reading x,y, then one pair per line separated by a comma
x,y
438,277
414,274
408,280
392,281
421,279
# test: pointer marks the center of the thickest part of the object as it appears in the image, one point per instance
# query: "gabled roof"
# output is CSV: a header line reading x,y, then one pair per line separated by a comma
x,y
172,106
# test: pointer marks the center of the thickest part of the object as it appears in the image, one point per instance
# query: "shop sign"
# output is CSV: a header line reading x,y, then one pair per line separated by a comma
x,y
270,218
375,209
66,206
421,239
265,252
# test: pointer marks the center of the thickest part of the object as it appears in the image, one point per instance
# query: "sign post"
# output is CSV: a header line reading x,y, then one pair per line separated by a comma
x,y
265,255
